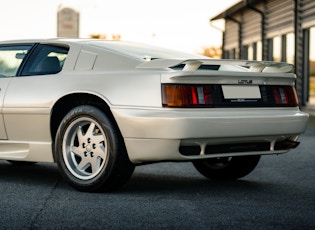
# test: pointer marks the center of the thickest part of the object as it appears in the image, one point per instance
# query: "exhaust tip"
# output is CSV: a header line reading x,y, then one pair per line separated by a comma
x,y
286,144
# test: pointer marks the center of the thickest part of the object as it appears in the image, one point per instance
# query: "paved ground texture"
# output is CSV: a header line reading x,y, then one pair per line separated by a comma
x,y
279,194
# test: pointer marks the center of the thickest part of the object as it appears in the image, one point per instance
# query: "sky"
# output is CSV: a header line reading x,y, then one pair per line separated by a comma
x,y
177,24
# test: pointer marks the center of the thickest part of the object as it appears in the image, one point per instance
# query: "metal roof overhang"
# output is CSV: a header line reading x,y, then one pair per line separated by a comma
x,y
234,9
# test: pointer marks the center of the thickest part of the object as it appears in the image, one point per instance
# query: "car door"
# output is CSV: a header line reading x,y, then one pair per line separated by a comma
x,y
28,98
11,58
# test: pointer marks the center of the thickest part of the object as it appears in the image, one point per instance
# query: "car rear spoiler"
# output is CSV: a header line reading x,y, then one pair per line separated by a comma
x,y
225,65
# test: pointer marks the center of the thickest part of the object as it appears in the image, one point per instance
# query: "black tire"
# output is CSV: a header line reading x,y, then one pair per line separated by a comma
x,y
227,168
90,151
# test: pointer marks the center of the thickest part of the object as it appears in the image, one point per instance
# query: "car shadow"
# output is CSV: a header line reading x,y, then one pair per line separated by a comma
x,y
37,173
151,183
143,182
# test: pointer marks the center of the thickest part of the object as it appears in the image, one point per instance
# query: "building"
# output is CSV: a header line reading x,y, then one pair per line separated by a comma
x,y
274,30
68,23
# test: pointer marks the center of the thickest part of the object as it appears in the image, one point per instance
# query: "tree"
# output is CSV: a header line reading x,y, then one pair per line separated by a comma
x,y
98,36
115,37
213,52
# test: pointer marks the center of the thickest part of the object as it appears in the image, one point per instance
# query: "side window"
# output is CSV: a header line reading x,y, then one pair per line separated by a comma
x,y
46,59
11,58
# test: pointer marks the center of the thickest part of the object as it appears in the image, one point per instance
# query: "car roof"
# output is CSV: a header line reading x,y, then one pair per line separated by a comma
x,y
133,49
39,40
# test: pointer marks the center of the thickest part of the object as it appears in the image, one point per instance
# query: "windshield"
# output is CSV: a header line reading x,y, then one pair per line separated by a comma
x,y
144,51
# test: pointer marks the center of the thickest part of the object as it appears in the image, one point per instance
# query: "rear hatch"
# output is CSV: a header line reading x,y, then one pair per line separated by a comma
x,y
225,83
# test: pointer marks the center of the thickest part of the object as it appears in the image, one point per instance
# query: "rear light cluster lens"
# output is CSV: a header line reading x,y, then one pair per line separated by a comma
x,y
285,95
201,96
181,95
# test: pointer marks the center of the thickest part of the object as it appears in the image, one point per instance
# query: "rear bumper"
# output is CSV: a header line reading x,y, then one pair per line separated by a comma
x,y
158,134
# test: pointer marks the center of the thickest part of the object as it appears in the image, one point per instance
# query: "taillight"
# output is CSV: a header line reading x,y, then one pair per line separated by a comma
x,y
285,95
201,96
181,95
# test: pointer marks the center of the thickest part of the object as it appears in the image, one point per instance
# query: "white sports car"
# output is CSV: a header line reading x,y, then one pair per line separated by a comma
x,y
99,108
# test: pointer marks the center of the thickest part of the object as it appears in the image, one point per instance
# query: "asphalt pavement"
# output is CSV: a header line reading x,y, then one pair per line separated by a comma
x,y
278,194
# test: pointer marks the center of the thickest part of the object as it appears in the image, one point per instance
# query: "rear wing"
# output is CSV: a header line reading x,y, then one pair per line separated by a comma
x,y
225,65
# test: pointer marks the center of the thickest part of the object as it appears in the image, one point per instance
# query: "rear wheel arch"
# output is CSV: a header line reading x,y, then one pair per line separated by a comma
x,y
68,102
90,151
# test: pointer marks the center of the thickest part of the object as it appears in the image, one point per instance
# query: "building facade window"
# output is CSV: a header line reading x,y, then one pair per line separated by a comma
x,y
276,49
281,48
259,51
234,53
251,52
244,52
230,54
290,44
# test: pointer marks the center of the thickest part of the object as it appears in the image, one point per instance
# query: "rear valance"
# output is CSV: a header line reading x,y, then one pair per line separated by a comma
x,y
225,65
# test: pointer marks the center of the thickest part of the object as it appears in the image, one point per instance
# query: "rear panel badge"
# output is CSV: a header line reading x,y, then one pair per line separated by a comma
x,y
245,82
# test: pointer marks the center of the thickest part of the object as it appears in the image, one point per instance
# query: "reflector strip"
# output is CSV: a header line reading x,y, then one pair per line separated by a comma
x,y
201,99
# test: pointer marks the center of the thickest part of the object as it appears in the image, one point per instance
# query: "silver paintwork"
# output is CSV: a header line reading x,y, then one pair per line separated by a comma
x,y
131,87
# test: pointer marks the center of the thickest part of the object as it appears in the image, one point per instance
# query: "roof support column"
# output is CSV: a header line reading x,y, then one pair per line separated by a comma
x,y
228,17
263,28
301,59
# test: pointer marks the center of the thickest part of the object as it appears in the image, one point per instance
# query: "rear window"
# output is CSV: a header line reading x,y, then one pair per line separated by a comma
x,y
143,51
46,59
